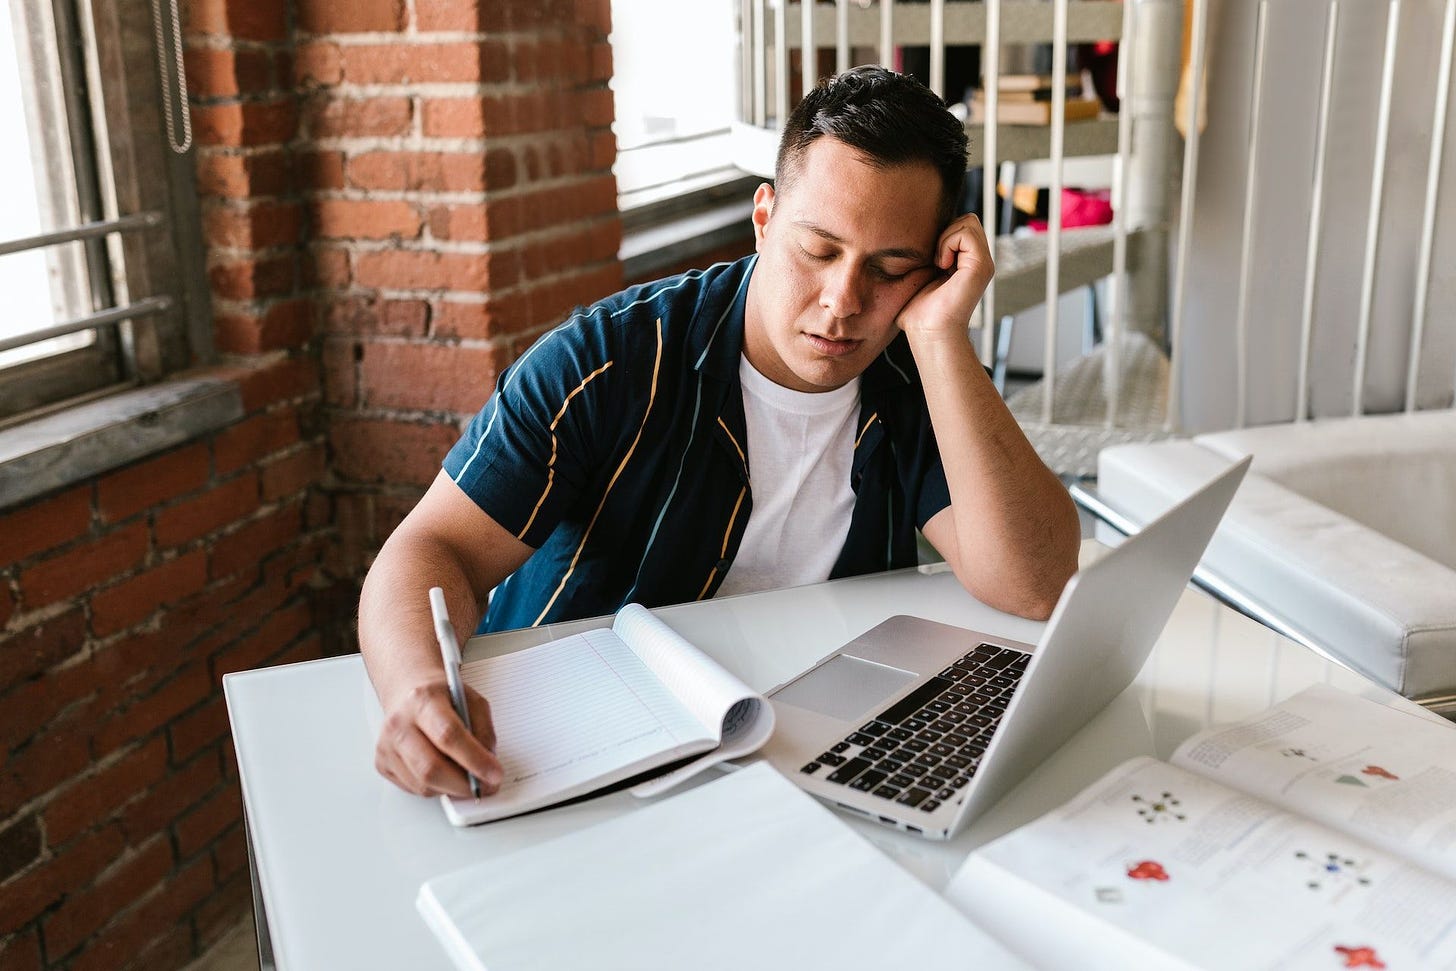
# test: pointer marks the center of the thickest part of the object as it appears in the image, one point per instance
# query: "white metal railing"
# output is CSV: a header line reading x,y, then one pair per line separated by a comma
x,y
869,31
1257,187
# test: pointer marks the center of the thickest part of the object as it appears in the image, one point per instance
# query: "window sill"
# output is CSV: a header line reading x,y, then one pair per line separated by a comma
x,y
650,249
75,444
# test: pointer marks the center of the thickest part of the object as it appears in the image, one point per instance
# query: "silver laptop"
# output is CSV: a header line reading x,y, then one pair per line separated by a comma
x,y
923,726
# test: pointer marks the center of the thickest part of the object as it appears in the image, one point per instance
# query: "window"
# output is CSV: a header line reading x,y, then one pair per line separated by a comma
x,y
675,83
100,253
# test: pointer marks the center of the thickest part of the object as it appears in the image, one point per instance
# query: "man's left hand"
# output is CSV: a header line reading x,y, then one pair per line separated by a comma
x,y
943,306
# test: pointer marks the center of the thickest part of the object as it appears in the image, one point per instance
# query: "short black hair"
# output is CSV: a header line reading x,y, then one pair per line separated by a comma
x,y
892,119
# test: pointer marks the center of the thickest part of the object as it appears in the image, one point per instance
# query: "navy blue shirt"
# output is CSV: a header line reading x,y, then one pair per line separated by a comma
x,y
615,446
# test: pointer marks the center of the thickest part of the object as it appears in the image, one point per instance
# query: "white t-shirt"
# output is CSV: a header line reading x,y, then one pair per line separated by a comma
x,y
800,450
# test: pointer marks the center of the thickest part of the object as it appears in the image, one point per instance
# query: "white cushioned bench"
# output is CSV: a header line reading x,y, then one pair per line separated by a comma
x,y
1344,528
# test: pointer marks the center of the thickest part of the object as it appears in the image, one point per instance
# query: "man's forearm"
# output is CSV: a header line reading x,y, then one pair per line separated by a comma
x,y
396,628
1016,532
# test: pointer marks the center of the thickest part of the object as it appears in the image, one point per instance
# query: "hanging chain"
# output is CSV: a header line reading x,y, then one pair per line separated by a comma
x,y
181,74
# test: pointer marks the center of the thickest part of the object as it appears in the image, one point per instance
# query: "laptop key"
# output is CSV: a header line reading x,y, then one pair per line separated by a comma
x,y
887,792
913,797
875,753
901,781
957,761
867,781
840,747
938,706
811,768
848,770
875,728
914,724
945,794
914,745
890,765
859,738
902,709
899,734
929,736
831,758
941,749
929,806
915,770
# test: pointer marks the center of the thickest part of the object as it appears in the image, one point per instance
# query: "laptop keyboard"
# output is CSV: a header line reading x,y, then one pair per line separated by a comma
x,y
925,747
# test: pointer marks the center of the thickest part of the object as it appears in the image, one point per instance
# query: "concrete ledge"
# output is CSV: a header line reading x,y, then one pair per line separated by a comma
x,y
74,444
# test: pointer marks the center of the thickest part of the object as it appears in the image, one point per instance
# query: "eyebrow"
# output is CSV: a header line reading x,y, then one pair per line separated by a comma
x,y
896,252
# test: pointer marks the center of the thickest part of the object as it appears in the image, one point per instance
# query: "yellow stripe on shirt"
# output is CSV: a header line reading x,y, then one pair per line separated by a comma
x,y
651,397
551,465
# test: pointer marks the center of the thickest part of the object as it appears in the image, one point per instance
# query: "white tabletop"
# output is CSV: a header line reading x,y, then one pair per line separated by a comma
x,y
340,853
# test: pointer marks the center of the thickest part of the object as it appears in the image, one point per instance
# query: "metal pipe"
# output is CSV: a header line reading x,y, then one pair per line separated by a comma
x,y
808,52
887,33
1428,228
937,47
1054,205
781,65
760,65
1316,215
126,224
1377,190
1185,213
841,37
990,90
1246,243
142,308
1116,302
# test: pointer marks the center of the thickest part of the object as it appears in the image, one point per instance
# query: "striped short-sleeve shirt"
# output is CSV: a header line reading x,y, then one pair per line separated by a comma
x,y
615,446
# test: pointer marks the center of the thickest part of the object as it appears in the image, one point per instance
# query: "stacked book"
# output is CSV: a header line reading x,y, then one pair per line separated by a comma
x,y
1026,99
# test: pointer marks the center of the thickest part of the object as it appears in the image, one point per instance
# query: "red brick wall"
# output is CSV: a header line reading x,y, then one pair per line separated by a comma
x,y
396,197
486,213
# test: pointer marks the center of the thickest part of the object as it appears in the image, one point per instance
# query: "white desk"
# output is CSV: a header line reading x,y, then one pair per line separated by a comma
x,y
339,853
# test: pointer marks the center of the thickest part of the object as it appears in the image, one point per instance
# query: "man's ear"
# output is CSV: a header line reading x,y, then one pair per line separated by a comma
x,y
763,201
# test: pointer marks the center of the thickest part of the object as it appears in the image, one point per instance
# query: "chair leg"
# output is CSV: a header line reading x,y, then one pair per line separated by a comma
x,y
1003,352
1091,321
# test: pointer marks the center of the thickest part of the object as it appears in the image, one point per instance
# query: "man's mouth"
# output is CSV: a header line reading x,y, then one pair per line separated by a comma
x,y
831,347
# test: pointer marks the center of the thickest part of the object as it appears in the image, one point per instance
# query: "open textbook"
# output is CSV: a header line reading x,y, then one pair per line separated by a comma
x,y
599,708
1319,834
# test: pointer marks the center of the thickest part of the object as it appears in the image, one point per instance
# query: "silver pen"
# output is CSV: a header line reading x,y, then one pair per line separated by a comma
x,y
450,653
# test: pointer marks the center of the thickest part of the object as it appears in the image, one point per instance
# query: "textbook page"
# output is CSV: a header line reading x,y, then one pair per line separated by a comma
x,y
743,871
736,716
571,716
1156,867
1351,763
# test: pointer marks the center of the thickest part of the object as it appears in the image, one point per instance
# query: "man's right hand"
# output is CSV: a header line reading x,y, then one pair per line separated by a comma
x,y
424,747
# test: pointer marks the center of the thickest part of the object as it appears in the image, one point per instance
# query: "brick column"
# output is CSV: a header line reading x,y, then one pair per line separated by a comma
x,y
462,203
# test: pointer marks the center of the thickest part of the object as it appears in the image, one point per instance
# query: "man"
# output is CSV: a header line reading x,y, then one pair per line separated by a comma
x,y
752,425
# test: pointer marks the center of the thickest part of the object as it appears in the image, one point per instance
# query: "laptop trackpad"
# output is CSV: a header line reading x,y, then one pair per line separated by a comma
x,y
843,687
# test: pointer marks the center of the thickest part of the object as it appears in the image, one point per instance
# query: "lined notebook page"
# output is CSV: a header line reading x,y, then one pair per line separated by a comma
x,y
575,710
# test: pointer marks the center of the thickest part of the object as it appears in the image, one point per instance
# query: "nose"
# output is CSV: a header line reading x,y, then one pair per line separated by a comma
x,y
842,292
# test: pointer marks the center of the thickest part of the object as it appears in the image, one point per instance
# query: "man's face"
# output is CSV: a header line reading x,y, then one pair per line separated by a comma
x,y
841,251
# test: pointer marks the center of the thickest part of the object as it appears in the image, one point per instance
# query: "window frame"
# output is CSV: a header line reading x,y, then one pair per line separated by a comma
x,y
149,270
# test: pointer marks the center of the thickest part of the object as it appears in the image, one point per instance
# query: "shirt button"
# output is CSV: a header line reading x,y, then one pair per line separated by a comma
x,y
724,564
